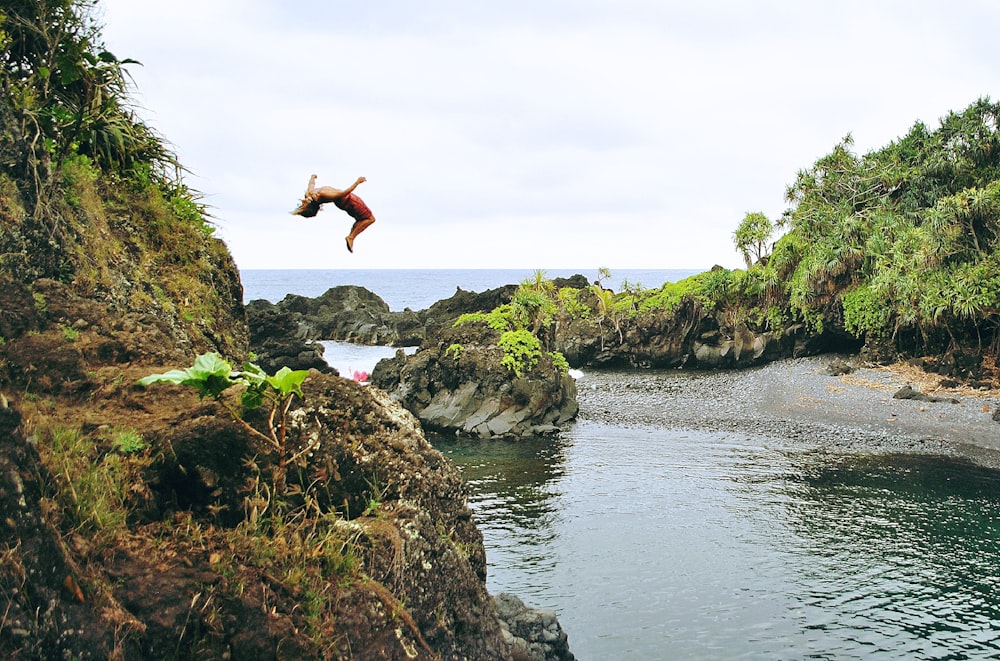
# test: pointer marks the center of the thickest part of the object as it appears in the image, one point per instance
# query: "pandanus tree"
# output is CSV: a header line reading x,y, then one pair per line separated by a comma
x,y
751,237
65,94
912,228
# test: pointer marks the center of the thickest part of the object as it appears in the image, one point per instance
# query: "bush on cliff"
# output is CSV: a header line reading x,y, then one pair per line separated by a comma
x,y
897,248
899,245
90,196
524,321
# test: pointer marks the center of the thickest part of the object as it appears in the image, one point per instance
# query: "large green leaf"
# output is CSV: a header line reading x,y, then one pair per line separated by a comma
x,y
210,375
287,381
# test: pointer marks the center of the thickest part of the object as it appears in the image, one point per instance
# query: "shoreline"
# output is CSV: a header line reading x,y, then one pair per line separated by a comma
x,y
797,399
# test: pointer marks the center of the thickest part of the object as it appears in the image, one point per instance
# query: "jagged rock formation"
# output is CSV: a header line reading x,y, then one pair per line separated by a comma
x,y
468,390
354,314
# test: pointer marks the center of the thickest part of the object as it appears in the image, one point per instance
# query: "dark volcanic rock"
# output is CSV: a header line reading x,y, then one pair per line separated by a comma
x,y
278,341
688,336
908,392
535,635
460,385
839,367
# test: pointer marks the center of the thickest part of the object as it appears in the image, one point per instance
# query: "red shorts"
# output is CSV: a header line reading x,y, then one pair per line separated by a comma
x,y
354,207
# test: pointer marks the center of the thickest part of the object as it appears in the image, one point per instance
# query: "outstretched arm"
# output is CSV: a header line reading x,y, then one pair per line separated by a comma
x,y
350,189
325,194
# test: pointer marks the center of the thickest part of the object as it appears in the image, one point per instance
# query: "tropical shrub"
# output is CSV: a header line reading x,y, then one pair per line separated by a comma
x,y
521,350
211,376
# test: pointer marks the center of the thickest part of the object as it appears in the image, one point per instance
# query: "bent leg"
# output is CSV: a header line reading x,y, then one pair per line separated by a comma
x,y
358,227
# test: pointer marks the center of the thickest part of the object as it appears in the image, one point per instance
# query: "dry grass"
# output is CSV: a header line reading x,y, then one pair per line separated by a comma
x,y
926,382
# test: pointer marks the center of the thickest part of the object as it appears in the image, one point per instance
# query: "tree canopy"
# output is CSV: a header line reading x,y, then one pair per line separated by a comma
x,y
902,240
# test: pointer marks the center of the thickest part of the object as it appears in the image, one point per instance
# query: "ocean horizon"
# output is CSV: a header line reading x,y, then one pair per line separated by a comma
x,y
418,289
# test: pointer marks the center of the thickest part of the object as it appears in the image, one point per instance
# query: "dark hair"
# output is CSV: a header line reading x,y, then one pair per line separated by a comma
x,y
307,209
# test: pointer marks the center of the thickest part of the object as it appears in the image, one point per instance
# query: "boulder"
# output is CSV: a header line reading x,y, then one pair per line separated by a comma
x,y
534,635
839,367
908,392
469,391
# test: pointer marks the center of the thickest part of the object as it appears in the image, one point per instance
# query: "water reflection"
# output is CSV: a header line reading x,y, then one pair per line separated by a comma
x,y
899,554
662,543
514,496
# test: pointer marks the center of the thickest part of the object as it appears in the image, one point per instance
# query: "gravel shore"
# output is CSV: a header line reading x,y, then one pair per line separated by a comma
x,y
798,399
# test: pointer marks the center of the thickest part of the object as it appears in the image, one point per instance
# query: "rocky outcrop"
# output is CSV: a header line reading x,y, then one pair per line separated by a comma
x,y
460,385
393,566
350,313
688,336
186,548
279,341
534,635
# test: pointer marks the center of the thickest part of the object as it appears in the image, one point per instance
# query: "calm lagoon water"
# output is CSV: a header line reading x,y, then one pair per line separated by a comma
x,y
665,544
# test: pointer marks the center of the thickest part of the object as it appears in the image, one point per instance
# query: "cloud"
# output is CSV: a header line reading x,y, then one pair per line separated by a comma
x,y
520,134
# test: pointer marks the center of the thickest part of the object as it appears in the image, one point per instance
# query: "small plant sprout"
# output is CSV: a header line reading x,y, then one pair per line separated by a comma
x,y
128,441
212,375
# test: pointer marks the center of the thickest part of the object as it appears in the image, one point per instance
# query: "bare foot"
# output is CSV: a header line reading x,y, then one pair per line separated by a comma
x,y
350,244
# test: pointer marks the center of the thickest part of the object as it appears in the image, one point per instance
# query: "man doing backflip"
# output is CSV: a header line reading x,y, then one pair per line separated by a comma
x,y
345,200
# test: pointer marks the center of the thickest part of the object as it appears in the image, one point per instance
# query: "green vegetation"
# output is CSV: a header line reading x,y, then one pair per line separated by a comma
x,y
531,312
71,334
751,237
898,247
904,237
89,194
127,441
521,350
211,376
97,490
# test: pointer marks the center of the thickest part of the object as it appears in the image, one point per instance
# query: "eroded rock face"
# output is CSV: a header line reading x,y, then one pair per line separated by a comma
x,y
175,586
468,390
689,336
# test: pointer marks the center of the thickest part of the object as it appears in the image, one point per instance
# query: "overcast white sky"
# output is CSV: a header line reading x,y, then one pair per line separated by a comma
x,y
533,133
